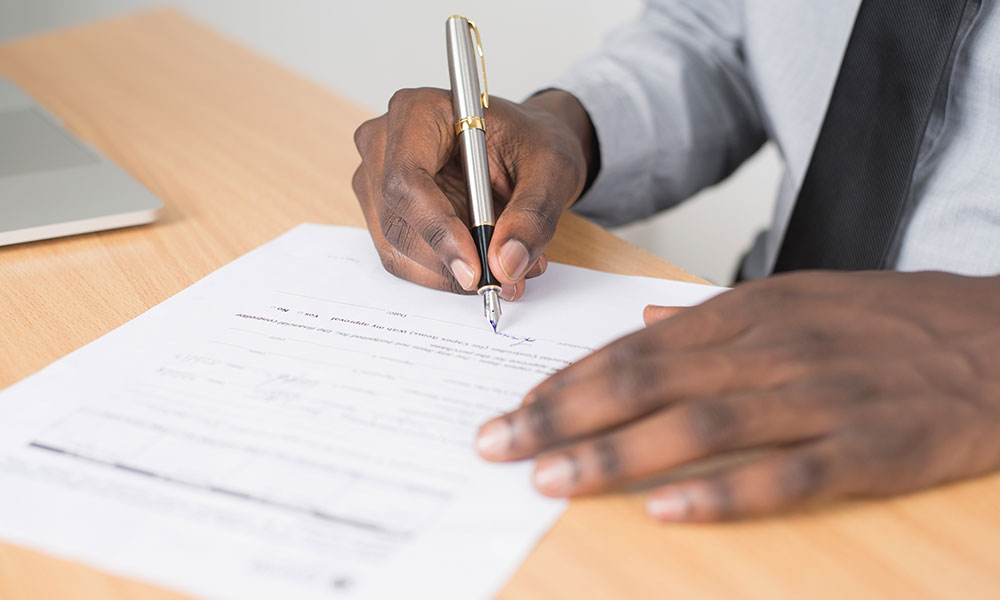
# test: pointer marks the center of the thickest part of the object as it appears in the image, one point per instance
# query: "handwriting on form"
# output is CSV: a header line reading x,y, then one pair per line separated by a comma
x,y
516,339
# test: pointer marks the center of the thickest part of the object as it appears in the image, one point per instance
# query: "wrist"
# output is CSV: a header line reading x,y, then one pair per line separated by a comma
x,y
567,109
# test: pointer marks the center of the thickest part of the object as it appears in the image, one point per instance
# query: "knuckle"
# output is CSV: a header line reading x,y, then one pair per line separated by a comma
x,y
899,441
767,295
609,458
400,202
395,189
856,387
357,181
625,353
397,232
631,384
436,100
432,100
561,158
360,182
723,505
712,424
401,98
568,164
797,340
539,421
435,232
818,336
539,217
804,476
363,135
724,366
771,297
631,374
810,345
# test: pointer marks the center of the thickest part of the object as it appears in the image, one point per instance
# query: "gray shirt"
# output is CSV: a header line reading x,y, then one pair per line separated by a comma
x,y
683,95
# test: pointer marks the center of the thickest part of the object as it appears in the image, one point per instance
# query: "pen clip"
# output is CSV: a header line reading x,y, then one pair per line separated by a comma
x,y
485,97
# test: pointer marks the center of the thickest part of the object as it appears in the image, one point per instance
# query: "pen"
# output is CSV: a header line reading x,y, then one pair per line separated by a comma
x,y
468,104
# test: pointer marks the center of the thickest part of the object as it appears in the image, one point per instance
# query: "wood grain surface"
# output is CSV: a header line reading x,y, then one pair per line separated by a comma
x,y
240,150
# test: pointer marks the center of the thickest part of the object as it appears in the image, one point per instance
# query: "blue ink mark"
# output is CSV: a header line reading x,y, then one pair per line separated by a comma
x,y
517,339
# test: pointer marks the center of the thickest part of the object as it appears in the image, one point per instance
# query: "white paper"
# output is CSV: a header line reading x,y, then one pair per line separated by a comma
x,y
299,424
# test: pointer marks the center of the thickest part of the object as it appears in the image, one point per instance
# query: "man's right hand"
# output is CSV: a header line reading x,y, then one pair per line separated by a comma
x,y
412,188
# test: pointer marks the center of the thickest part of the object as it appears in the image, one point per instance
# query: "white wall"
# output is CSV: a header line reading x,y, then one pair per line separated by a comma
x,y
367,49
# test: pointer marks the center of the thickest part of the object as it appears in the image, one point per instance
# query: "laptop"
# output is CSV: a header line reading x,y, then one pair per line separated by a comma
x,y
53,184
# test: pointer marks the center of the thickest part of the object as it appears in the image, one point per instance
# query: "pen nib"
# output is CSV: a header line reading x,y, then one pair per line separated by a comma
x,y
491,307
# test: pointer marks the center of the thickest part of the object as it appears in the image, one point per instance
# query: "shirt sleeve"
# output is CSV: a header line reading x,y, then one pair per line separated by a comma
x,y
672,103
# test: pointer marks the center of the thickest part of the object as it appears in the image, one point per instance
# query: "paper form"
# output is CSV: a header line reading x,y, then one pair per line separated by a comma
x,y
299,424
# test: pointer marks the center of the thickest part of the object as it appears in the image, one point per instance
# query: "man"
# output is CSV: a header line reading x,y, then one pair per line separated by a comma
x,y
868,365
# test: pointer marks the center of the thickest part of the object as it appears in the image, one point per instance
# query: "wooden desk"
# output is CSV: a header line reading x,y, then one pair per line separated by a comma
x,y
240,150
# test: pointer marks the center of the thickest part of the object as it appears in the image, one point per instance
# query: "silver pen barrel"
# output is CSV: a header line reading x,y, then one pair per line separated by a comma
x,y
468,102
467,107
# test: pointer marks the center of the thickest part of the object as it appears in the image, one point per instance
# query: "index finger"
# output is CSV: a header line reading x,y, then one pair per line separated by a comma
x,y
688,329
628,378
420,141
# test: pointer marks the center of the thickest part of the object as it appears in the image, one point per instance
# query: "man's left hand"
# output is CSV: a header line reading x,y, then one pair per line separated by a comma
x,y
860,384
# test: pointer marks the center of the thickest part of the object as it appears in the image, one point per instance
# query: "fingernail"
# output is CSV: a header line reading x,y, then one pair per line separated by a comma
x,y
494,439
463,273
671,506
507,291
555,476
543,263
513,259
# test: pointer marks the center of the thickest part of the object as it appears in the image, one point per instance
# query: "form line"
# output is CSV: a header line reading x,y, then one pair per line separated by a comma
x,y
319,514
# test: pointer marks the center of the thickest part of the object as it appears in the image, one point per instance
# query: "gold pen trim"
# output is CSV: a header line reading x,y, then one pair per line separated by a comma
x,y
470,123
482,61
485,96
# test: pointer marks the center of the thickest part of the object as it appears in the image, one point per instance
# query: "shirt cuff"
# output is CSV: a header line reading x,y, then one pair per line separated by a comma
x,y
622,191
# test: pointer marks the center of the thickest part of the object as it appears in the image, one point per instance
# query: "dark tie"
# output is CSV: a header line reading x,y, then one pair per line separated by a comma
x,y
855,189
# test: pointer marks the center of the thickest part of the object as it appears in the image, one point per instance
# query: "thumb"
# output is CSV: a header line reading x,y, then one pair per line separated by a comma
x,y
653,314
528,221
